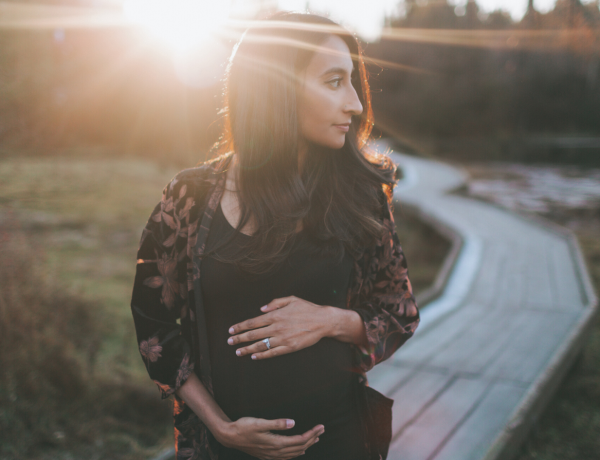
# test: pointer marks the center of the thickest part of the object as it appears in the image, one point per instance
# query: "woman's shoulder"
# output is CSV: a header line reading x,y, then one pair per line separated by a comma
x,y
198,179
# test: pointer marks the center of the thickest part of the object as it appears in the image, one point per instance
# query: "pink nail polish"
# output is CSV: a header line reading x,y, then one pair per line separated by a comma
x,y
238,352
253,357
230,341
231,330
263,308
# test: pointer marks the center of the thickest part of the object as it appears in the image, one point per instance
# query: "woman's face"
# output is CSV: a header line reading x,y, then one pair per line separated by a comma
x,y
326,98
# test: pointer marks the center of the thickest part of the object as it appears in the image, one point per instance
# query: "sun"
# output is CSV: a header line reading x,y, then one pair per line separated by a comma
x,y
180,24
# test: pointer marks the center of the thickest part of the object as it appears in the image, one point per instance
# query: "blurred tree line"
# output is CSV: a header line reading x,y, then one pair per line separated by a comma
x,y
459,81
482,86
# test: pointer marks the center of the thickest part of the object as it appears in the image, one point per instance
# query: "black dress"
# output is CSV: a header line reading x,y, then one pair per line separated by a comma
x,y
311,386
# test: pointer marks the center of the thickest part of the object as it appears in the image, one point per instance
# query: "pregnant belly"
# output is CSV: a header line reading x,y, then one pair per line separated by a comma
x,y
309,386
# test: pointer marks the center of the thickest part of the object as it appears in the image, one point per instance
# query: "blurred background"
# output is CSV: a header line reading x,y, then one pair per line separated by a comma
x,y
103,101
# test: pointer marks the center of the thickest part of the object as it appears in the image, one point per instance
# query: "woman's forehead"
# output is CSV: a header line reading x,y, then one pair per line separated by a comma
x,y
333,55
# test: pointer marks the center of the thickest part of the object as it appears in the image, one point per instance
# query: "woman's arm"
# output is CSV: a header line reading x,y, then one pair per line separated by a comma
x,y
346,326
251,435
385,303
159,297
292,323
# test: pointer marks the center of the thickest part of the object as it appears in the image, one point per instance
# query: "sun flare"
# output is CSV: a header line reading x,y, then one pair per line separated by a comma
x,y
181,24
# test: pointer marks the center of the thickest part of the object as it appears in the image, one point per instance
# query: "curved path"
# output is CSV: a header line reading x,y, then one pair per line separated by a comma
x,y
493,347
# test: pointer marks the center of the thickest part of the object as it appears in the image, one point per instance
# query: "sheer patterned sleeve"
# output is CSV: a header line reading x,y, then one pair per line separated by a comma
x,y
385,301
160,298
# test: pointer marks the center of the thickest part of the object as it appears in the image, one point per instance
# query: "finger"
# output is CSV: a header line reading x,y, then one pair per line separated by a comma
x,y
314,438
251,336
294,451
303,439
274,351
287,443
277,424
249,324
254,348
317,430
278,303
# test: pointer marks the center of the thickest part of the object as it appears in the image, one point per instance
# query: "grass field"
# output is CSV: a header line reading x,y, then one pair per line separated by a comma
x,y
79,219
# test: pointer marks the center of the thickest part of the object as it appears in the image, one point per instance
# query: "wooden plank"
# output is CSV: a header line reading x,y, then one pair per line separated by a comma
x,y
477,346
475,339
475,435
414,395
421,439
538,280
385,377
489,221
564,276
537,335
512,278
424,345
485,285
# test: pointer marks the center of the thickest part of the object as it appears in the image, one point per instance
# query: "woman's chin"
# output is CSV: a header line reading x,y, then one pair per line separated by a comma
x,y
337,144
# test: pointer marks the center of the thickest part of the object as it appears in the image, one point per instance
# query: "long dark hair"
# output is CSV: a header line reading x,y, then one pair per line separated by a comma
x,y
338,195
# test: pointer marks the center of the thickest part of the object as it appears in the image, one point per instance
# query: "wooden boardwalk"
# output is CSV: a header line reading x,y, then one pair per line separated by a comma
x,y
493,347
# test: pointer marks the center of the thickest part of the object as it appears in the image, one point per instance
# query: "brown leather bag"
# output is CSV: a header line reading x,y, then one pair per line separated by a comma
x,y
376,414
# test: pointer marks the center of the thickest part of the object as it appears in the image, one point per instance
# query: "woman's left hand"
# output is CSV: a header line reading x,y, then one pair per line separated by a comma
x,y
289,323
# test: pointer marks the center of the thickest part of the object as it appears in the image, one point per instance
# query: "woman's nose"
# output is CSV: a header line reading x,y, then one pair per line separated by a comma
x,y
353,104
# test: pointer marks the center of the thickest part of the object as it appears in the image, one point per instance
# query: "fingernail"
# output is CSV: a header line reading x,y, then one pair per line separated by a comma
x,y
289,423
231,330
317,440
230,340
263,308
238,352
253,356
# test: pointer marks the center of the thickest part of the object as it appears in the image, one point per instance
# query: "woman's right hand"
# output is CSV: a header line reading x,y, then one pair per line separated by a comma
x,y
253,436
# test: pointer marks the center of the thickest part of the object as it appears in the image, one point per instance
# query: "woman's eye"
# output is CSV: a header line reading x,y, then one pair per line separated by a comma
x,y
335,83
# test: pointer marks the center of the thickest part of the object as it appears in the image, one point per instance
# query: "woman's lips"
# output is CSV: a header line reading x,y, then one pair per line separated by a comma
x,y
344,128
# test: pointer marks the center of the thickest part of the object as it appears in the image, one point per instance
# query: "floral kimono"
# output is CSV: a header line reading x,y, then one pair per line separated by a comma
x,y
164,306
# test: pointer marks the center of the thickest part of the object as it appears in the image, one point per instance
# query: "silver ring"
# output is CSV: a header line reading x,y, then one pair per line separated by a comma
x,y
267,343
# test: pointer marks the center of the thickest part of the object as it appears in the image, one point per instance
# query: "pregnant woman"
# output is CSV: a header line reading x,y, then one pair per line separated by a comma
x,y
270,278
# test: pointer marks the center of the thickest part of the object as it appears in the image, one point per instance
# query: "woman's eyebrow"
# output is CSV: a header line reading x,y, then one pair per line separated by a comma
x,y
336,70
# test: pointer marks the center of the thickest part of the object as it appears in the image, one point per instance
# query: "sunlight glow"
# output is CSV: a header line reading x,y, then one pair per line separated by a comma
x,y
181,24
366,19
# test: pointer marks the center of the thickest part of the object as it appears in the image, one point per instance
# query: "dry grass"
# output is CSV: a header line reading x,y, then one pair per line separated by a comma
x,y
424,247
72,382
51,396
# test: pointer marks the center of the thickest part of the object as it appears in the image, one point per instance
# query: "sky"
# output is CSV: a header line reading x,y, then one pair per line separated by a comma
x,y
368,20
